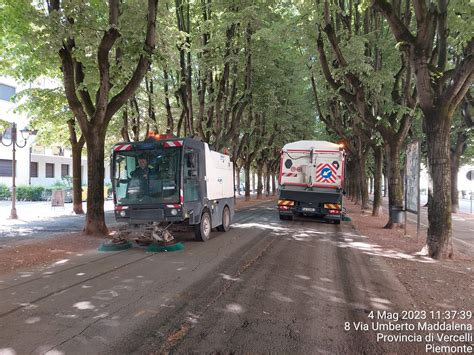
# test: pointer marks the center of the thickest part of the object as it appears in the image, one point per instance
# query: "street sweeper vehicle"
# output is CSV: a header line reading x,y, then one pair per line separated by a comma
x,y
311,180
165,181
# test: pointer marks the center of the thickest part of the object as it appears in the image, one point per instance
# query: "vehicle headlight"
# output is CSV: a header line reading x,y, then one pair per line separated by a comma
x,y
122,214
174,212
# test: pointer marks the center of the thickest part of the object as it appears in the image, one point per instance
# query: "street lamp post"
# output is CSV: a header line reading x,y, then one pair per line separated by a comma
x,y
14,144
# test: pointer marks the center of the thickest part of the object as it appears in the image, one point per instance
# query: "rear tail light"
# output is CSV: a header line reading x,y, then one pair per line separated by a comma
x,y
334,211
285,208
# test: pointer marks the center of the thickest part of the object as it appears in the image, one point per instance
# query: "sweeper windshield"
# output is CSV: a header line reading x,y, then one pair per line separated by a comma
x,y
147,176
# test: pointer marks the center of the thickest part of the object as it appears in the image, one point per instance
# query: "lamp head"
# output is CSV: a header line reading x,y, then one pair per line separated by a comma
x,y
25,132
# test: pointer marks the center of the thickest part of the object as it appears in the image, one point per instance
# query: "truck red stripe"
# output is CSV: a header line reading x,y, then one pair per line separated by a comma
x,y
122,147
281,168
172,144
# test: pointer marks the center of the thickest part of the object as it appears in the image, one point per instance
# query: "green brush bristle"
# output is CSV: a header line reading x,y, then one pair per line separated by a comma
x,y
108,246
155,248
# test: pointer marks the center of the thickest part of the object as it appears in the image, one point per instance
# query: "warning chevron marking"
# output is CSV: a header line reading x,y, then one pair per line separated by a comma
x,y
326,173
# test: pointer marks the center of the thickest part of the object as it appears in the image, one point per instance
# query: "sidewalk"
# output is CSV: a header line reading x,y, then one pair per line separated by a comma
x,y
29,211
40,220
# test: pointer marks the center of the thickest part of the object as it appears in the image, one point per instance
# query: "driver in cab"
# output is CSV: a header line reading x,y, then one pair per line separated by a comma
x,y
143,170
139,185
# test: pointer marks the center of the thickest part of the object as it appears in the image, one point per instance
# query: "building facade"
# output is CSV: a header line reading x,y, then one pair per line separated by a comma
x,y
35,165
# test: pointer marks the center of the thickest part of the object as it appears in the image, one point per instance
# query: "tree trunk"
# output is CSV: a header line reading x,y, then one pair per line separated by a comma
x,y
237,178
253,181
267,182
95,219
169,114
395,187
93,118
356,188
349,180
76,177
274,185
439,239
377,207
76,147
438,100
356,182
364,188
259,181
247,180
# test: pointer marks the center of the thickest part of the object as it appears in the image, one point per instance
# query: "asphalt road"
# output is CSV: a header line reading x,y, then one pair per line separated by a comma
x,y
265,286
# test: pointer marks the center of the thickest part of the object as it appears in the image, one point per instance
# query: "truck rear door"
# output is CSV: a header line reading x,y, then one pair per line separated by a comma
x,y
328,169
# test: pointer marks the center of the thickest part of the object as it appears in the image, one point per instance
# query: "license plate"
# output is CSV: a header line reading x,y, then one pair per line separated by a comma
x,y
308,209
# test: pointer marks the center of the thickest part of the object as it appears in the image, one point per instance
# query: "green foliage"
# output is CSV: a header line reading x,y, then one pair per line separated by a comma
x,y
49,112
23,54
4,125
66,182
460,24
468,157
5,193
29,193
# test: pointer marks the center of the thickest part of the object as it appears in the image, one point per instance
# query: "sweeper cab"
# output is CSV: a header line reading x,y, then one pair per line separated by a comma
x,y
166,181
311,180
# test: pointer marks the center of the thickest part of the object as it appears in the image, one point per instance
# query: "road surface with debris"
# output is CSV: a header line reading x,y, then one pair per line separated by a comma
x,y
265,286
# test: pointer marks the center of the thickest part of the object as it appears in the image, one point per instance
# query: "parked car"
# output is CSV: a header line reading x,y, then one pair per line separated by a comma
x,y
46,195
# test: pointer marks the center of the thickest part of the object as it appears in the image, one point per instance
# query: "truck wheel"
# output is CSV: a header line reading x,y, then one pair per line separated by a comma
x,y
202,231
338,221
225,226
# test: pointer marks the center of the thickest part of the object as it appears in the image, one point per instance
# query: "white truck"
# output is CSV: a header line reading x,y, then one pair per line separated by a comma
x,y
311,180
175,181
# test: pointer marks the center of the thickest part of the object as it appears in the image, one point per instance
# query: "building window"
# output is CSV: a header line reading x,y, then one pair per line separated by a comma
x,y
37,149
58,151
33,169
6,92
5,167
64,170
49,170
